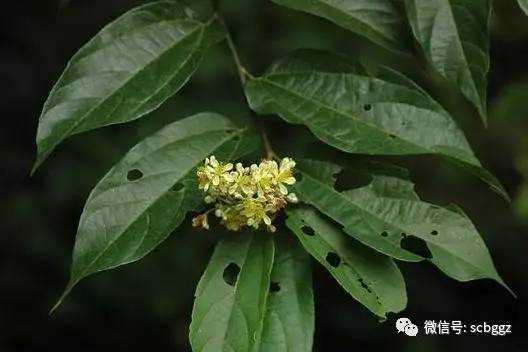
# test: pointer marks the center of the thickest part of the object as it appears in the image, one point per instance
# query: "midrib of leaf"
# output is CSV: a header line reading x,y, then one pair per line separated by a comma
x,y
359,121
83,272
77,122
348,200
187,59
257,336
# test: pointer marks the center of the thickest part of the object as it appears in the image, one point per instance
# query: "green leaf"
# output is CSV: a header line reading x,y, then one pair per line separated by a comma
x,y
146,195
355,112
454,37
387,214
244,304
230,303
371,278
378,20
289,320
127,70
523,4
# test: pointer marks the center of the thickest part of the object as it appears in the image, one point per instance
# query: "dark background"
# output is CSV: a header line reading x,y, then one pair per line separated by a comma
x,y
147,305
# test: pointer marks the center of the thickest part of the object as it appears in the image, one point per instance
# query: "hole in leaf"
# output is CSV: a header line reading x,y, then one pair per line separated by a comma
x,y
434,232
231,274
308,230
333,259
364,285
177,187
384,234
392,136
274,287
367,107
350,179
416,245
134,174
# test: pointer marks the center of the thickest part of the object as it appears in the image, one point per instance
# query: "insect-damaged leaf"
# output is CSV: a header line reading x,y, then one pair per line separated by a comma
x,y
370,277
127,70
255,296
230,305
385,213
353,111
146,195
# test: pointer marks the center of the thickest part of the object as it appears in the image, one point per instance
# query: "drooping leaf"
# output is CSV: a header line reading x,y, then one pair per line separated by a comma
x,y
454,37
523,4
146,195
370,277
387,215
127,70
355,112
231,297
378,20
289,320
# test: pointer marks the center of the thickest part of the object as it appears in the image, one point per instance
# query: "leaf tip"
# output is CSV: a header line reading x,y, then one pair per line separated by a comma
x,y
36,165
508,288
39,159
498,188
65,293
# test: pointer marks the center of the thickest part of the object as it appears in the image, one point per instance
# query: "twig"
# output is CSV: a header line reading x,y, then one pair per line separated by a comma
x,y
270,153
242,73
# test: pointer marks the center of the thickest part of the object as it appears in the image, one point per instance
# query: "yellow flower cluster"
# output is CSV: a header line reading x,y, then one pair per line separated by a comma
x,y
245,196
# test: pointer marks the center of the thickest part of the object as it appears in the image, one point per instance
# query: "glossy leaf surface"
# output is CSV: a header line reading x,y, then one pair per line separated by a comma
x,y
378,20
289,321
146,195
127,70
353,111
454,37
370,277
387,216
230,305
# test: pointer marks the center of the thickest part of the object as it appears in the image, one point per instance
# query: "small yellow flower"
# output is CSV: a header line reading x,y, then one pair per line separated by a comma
x,y
263,176
241,184
256,212
213,172
284,174
231,217
245,196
